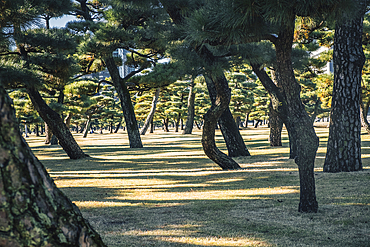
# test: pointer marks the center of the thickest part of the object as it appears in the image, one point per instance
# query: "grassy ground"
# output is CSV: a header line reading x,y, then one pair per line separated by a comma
x,y
170,194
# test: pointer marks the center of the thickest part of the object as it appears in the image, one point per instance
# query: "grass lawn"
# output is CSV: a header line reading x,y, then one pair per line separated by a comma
x,y
170,194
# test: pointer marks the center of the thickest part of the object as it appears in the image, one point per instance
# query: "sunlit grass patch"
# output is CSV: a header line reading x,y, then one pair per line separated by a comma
x,y
170,194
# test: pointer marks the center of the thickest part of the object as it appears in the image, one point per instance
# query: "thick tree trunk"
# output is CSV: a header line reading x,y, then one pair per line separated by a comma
x,y
150,116
34,211
344,142
286,101
191,110
126,104
56,124
219,105
276,127
233,139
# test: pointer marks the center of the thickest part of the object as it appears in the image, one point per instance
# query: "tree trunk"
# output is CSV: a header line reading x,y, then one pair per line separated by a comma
x,y
276,127
191,110
56,124
165,125
364,108
118,126
34,211
246,120
87,126
344,142
286,101
37,130
151,126
150,116
67,120
126,104
48,134
233,139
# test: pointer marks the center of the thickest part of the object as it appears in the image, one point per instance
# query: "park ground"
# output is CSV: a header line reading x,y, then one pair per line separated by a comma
x,y
170,194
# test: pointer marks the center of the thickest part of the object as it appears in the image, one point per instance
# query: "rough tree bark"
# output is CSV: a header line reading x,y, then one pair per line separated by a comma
x,y
276,127
87,126
126,104
33,211
191,110
344,142
150,116
286,101
230,131
56,124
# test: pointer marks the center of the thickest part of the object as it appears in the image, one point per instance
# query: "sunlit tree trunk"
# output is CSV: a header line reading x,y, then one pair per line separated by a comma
x,y
150,116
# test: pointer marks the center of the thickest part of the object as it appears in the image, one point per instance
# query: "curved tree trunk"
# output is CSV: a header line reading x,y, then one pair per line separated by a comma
x,y
34,211
221,103
286,101
344,142
191,110
56,124
67,120
150,116
233,139
126,104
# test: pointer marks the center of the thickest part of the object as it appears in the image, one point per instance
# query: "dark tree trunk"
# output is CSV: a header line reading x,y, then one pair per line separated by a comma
x,y
34,211
276,127
126,104
286,101
150,116
191,111
246,120
344,142
199,127
37,130
87,126
165,125
257,123
233,139
56,124
151,126
118,126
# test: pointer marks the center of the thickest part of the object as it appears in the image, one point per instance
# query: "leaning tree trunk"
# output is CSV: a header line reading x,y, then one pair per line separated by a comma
x,y
191,110
56,124
344,142
298,122
286,101
87,126
276,126
150,116
233,139
126,104
33,211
